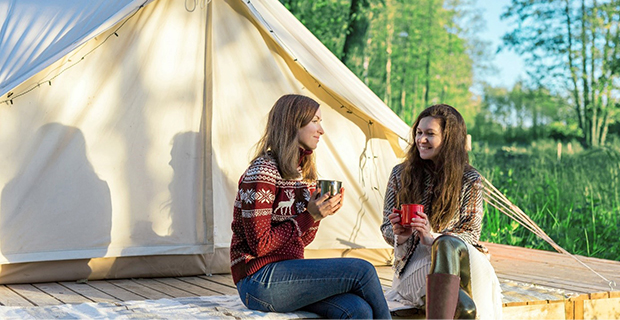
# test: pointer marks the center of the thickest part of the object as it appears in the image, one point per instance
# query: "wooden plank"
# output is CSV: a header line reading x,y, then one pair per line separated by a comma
x,y
535,312
214,286
517,254
189,287
578,305
90,292
221,279
557,264
599,295
61,293
521,297
601,309
11,299
552,282
139,289
34,295
578,308
385,283
115,291
577,289
552,272
569,309
164,288
385,273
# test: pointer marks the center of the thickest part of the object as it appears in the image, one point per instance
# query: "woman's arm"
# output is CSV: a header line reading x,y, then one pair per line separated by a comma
x,y
308,236
469,223
389,203
390,225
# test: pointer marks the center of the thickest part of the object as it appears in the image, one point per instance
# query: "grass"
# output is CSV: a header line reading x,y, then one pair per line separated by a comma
x,y
574,198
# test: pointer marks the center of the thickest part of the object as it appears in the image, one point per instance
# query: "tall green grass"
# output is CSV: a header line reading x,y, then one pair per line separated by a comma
x,y
575,199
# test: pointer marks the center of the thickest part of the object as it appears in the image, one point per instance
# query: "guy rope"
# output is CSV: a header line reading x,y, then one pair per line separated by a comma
x,y
496,199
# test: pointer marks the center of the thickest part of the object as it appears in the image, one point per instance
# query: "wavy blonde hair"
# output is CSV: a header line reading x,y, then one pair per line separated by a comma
x,y
289,114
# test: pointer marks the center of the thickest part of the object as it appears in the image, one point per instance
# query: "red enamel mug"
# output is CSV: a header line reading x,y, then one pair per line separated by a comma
x,y
408,212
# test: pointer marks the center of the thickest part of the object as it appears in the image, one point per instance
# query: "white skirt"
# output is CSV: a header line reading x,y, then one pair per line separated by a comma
x,y
410,287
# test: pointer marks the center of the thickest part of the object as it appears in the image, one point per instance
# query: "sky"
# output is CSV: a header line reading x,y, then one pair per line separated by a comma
x,y
509,64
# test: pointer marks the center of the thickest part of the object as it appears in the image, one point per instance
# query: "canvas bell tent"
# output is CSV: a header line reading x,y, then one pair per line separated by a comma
x,y
125,126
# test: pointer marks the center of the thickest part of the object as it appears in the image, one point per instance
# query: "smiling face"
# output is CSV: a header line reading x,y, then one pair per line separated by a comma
x,y
309,135
429,137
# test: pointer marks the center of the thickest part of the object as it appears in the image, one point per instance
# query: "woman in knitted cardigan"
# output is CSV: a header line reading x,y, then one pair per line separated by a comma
x,y
276,216
438,260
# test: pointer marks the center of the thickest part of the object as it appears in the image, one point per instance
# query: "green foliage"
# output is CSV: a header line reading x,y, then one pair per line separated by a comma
x,y
419,56
326,19
523,114
575,199
410,53
562,132
416,53
572,47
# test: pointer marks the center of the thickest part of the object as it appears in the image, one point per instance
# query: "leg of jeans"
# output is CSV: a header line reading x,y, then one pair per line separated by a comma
x,y
290,285
342,306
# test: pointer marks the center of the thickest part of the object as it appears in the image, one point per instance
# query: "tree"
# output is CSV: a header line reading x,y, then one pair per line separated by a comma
x,y
573,47
410,53
357,28
421,56
326,19
524,114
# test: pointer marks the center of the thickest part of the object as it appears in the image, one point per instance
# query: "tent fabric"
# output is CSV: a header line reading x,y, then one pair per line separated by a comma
x,y
34,35
134,148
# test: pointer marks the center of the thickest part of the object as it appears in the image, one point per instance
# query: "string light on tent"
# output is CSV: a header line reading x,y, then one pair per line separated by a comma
x,y
69,66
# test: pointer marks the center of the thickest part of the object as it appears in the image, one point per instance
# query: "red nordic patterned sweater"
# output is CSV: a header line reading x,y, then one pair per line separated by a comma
x,y
270,221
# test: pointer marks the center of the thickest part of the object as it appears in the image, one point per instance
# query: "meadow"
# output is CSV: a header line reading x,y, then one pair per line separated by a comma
x,y
574,196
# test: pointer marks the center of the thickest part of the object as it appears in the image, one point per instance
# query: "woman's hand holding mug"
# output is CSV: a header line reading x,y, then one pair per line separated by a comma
x,y
321,206
410,217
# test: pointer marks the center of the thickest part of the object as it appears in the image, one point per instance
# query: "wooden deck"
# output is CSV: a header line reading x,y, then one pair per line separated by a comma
x,y
537,285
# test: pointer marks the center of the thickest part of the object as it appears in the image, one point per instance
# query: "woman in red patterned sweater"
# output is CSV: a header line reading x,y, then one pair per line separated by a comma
x,y
276,216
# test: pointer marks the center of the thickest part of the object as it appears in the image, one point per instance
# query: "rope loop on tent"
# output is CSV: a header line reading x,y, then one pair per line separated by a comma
x,y
496,199
203,4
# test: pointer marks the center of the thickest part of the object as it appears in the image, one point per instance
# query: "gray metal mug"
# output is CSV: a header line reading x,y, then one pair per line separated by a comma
x,y
331,187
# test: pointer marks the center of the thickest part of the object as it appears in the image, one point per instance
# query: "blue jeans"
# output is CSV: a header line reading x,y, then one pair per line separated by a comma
x,y
339,288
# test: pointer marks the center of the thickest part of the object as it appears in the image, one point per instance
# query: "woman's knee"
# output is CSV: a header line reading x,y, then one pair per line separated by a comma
x,y
361,311
342,306
448,243
360,267
449,255
353,307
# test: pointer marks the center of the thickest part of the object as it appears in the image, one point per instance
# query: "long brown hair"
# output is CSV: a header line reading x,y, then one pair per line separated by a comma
x,y
289,114
445,170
